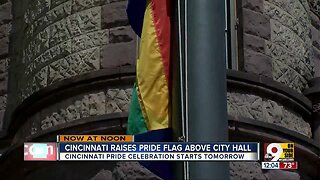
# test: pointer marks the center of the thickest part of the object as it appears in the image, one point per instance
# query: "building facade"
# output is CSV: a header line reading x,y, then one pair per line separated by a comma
x,y
68,66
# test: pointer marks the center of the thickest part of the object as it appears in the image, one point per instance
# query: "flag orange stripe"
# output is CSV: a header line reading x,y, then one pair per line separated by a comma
x,y
161,18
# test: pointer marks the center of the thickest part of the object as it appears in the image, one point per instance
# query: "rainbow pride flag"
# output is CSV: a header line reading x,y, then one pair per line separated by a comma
x,y
149,116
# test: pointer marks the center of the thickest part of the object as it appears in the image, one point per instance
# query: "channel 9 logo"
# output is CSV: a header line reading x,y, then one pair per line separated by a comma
x,y
40,151
278,152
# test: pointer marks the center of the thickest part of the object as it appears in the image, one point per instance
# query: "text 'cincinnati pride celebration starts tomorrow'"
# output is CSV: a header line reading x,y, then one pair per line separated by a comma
x,y
153,156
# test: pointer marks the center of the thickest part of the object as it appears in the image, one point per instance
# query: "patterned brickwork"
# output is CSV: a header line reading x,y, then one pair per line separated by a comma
x,y
5,29
278,38
255,107
315,6
290,44
246,170
315,34
118,100
82,106
66,38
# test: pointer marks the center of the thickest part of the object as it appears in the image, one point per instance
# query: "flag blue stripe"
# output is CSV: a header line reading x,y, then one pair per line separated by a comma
x,y
160,168
160,135
135,13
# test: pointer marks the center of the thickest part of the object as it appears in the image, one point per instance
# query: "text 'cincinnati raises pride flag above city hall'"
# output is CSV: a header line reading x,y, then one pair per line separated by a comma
x,y
149,118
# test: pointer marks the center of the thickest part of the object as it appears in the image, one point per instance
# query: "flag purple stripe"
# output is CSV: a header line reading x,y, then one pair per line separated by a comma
x,y
135,13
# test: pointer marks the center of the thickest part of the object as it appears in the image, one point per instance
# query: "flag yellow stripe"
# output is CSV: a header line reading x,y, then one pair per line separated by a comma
x,y
151,79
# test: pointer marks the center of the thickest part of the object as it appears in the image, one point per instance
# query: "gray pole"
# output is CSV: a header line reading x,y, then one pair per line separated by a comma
x,y
206,82
177,106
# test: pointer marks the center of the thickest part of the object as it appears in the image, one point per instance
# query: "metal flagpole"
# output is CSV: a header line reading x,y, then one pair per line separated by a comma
x,y
205,85
186,120
178,86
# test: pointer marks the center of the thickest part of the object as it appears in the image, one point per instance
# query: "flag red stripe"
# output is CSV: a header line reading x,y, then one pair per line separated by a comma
x,y
161,16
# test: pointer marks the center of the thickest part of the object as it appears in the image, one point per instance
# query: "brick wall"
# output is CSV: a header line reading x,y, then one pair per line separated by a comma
x,y
5,28
54,40
278,40
315,34
65,38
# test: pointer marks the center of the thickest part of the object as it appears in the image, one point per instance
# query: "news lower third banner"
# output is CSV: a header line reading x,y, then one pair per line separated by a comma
x,y
123,148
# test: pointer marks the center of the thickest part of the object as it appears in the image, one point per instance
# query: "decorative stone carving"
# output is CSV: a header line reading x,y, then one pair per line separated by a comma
x,y
294,8
97,104
5,30
246,170
93,104
62,40
117,100
132,170
283,17
290,45
103,174
55,3
315,6
3,102
255,107
316,107
35,9
90,40
270,175
78,5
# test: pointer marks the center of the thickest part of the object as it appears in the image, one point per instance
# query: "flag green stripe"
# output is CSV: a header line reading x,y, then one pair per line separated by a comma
x,y
136,122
